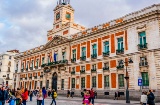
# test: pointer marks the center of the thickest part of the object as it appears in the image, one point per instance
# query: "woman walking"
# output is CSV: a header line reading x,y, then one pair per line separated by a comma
x,y
25,96
39,97
54,95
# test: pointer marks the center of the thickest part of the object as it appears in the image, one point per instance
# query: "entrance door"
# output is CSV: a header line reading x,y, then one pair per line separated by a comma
x,y
54,81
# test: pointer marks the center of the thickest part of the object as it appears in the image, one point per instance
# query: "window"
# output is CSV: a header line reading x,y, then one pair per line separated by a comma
x,y
83,51
73,68
120,43
27,64
106,81
145,79
74,53
32,63
41,83
73,82
94,66
82,67
62,84
10,57
43,60
63,55
7,75
37,62
94,81
47,84
142,38
121,80
56,57
94,49
106,64
106,46
35,85
17,66
49,59
25,85
83,82
22,65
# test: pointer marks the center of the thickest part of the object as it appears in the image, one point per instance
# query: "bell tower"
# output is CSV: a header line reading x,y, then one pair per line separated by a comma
x,y
63,23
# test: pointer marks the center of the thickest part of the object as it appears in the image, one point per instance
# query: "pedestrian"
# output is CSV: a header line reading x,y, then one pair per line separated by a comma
x,y
118,95
39,97
150,98
31,95
49,93
72,93
54,96
115,96
44,93
95,94
86,100
18,95
3,96
68,93
92,96
144,98
25,96
11,100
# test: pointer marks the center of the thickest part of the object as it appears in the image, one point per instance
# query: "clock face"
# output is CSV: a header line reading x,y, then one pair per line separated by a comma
x,y
68,16
57,16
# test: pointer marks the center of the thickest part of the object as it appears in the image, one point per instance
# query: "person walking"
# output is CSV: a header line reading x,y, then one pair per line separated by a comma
x,y
72,93
44,93
3,96
25,96
92,96
150,98
39,97
31,95
86,100
115,96
54,96
18,95
68,93
144,98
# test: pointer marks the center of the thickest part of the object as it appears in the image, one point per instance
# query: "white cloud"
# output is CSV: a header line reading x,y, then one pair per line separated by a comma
x,y
2,25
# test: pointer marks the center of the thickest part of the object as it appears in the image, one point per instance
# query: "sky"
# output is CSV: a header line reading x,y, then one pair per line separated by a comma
x,y
24,23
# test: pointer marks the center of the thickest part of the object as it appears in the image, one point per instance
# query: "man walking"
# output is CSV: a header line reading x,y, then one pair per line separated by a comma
x,y
92,95
3,96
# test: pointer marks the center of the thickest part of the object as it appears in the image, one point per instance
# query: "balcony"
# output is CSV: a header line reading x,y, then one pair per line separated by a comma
x,y
31,68
83,58
142,46
16,71
120,51
82,71
120,67
94,56
63,61
143,64
22,70
93,70
73,72
36,67
7,78
106,54
106,68
73,60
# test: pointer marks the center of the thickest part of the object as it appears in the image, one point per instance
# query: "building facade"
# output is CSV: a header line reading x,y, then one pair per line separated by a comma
x,y
7,67
76,57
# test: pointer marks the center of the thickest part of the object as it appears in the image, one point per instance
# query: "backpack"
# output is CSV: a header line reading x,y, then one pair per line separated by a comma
x,y
55,95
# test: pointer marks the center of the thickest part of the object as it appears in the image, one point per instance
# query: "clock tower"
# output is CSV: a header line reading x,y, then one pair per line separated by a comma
x,y
64,21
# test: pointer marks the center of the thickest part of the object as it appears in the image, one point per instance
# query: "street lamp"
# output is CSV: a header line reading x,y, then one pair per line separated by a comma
x,y
126,77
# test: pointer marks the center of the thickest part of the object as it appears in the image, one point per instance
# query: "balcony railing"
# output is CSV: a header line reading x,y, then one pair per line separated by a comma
x,y
82,71
22,70
106,54
31,68
143,64
36,67
93,70
120,51
83,58
94,56
120,67
73,60
142,46
73,72
62,61
105,68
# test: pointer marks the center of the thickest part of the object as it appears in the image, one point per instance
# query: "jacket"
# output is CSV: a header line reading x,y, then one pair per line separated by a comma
x,y
144,98
5,97
25,95
92,93
18,94
151,99
86,99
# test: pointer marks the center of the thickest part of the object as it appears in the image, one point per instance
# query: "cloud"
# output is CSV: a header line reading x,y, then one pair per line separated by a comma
x,y
24,23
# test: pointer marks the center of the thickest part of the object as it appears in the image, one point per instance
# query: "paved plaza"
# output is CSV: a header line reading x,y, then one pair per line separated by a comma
x,y
78,101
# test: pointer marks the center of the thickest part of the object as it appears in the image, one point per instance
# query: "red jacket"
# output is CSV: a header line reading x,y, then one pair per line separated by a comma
x,y
25,95
92,93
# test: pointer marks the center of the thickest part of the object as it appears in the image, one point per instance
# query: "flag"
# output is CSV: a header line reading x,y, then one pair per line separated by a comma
x,y
55,57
